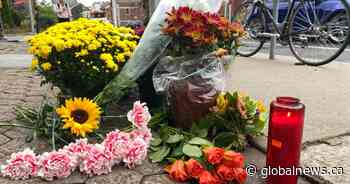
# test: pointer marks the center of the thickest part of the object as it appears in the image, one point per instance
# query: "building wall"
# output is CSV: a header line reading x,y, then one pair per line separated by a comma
x,y
131,11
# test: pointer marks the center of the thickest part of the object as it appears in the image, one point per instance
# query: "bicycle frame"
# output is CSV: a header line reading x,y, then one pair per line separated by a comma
x,y
282,31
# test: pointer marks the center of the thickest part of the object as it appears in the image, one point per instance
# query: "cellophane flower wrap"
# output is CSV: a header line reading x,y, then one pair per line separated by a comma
x,y
151,47
82,54
190,86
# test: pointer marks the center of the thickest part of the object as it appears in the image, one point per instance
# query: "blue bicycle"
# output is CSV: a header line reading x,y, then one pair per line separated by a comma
x,y
317,31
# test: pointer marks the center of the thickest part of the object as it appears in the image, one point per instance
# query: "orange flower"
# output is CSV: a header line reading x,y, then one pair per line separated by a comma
x,y
226,173
177,171
214,155
186,14
212,19
208,178
241,107
194,168
241,175
233,159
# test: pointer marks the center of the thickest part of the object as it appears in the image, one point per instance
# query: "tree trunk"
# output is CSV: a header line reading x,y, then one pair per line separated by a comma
x,y
147,11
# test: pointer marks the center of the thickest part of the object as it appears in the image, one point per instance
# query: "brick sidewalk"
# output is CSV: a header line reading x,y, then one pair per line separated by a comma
x,y
13,48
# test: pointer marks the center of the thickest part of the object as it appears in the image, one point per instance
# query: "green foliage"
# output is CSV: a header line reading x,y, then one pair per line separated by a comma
x,y
46,15
7,14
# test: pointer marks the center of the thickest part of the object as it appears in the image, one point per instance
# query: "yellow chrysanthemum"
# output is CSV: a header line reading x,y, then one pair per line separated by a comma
x,y
46,66
261,107
35,63
222,102
81,116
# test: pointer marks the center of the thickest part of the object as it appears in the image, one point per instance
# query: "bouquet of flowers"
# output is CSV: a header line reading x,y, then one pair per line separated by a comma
x,y
81,117
81,57
217,166
195,31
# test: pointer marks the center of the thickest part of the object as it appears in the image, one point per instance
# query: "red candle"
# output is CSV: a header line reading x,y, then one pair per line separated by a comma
x,y
285,138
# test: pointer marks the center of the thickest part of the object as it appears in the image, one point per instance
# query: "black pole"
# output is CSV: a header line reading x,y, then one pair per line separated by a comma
x,y
36,16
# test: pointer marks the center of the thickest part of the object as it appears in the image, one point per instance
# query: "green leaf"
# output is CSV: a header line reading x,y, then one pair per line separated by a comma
x,y
164,133
160,155
174,138
225,139
198,131
177,152
156,141
200,141
192,151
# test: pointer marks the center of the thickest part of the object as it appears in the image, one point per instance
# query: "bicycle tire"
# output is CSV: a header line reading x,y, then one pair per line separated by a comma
x,y
328,59
261,19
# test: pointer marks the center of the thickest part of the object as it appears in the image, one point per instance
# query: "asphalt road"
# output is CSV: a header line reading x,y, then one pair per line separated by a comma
x,y
285,51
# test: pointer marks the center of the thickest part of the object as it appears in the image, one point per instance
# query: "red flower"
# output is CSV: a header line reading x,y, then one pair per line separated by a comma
x,y
226,173
233,159
194,168
208,178
214,155
185,14
177,171
212,19
241,175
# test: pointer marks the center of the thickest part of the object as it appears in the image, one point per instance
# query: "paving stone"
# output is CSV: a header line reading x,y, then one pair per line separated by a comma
x,y
119,175
7,116
148,168
31,181
3,139
330,154
159,179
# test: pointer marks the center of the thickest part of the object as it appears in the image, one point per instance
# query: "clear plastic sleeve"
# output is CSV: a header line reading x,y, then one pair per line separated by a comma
x,y
151,47
190,85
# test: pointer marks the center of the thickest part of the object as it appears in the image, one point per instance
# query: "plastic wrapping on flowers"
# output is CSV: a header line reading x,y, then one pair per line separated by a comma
x,y
191,86
152,45
82,54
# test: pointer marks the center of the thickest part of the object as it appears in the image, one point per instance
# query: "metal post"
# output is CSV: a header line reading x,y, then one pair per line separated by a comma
x,y
114,13
1,23
118,15
274,37
32,16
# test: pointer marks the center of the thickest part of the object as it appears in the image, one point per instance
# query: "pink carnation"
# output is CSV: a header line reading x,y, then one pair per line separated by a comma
x,y
78,149
97,161
22,165
116,143
139,115
57,164
136,152
144,134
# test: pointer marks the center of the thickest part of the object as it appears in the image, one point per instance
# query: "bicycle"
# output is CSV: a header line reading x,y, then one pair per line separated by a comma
x,y
315,36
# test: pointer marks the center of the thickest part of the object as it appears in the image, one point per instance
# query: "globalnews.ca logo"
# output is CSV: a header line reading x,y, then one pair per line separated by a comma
x,y
294,171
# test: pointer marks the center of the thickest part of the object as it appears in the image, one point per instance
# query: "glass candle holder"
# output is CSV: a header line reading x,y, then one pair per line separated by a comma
x,y
285,140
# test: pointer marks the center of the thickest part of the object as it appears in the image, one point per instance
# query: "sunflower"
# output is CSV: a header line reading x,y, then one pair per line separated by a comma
x,y
79,115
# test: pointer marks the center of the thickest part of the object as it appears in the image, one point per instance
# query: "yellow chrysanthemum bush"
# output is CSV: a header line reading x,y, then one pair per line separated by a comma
x,y
82,56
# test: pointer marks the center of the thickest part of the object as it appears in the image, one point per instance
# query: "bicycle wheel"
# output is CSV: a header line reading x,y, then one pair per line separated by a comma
x,y
318,34
253,21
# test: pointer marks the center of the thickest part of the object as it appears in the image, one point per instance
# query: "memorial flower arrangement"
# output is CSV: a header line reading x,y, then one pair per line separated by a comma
x,y
196,31
215,166
118,148
81,54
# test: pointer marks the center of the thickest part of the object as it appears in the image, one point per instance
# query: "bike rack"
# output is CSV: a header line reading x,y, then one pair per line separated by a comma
x,y
273,36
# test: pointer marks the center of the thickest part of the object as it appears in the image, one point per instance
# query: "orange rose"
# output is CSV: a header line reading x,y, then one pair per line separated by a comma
x,y
241,175
194,168
226,173
208,178
214,155
233,159
177,171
